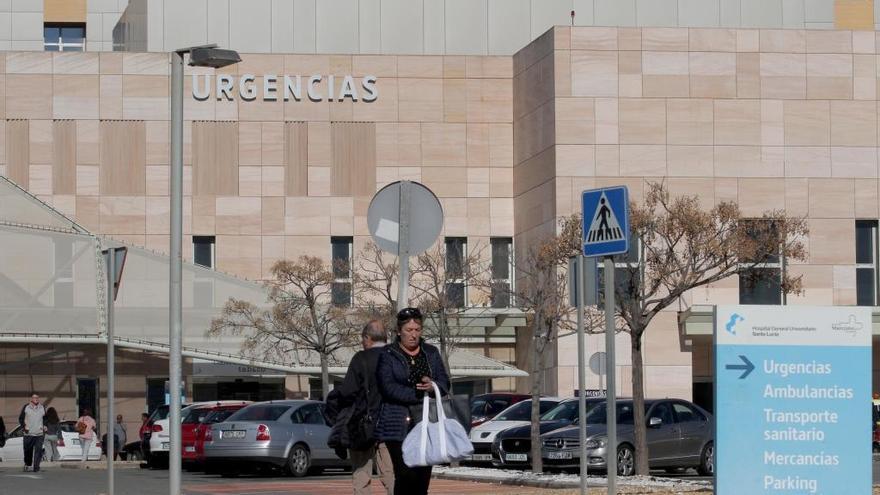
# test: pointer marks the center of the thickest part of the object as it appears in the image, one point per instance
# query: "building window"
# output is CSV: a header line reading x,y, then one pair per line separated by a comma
x,y
456,253
866,262
341,248
502,267
64,37
626,274
761,283
203,250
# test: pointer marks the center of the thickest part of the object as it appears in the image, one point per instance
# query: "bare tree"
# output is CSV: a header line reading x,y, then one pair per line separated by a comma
x,y
541,291
300,318
439,282
683,246
375,278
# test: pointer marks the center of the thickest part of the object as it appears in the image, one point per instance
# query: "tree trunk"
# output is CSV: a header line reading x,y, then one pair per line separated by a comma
x,y
444,345
638,389
325,377
537,365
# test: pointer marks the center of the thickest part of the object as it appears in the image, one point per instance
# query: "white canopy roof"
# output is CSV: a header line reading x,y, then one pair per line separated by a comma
x,y
52,287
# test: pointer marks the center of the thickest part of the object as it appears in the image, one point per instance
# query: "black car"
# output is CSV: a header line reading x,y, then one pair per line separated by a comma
x,y
512,447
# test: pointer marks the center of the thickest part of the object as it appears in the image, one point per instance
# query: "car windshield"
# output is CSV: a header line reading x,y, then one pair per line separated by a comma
x,y
219,415
260,412
563,411
522,411
598,415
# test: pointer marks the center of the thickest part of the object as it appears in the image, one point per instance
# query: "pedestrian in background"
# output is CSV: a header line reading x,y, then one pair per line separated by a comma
x,y
53,431
120,436
360,392
405,371
85,426
31,420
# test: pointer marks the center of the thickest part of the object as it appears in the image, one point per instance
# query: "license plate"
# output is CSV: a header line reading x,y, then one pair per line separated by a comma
x,y
166,445
191,448
232,434
559,455
481,457
516,457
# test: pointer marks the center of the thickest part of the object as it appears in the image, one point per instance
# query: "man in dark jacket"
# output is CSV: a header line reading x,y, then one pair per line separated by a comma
x,y
359,394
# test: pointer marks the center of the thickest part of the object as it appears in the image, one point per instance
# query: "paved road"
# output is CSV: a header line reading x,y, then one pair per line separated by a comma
x,y
56,480
61,481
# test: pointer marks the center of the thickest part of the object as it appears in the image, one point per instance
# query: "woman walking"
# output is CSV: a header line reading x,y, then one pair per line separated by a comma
x,y
53,431
405,371
85,426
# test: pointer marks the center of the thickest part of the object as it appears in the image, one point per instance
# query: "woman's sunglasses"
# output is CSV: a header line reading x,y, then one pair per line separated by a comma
x,y
409,314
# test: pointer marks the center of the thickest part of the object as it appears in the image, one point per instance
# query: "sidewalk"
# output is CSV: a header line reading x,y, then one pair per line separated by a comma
x,y
91,464
557,481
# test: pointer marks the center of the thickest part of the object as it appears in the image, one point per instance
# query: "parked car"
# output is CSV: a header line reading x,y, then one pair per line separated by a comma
x,y
680,435
197,421
518,414
486,406
512,447
157,438
69,448
288,434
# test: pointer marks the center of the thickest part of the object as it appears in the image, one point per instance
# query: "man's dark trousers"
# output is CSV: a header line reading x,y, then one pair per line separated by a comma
x,y
33,451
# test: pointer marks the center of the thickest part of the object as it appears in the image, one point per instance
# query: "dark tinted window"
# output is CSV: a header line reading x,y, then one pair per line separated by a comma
x,y
760,286
259,412
664,412
203,250
309,414
564,410
522,411
686,413
195,415
598,415
865,241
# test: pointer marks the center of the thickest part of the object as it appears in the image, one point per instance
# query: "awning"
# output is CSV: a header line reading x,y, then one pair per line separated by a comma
x,y
52,287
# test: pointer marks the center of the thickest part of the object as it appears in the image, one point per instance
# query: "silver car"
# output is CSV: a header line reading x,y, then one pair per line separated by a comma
x,y
290,434
680,436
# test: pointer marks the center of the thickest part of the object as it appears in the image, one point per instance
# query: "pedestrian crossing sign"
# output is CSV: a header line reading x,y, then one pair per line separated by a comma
x,y
605,221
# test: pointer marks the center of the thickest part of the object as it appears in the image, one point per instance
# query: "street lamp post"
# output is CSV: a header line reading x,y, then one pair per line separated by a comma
x,y
200,56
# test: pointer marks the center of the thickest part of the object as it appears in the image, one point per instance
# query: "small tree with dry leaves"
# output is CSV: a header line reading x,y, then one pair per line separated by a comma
x,y
542,292
374,279
440,278
684,246
300,317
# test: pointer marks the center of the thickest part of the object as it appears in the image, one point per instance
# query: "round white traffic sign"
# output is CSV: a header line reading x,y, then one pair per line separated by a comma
x,y
423,211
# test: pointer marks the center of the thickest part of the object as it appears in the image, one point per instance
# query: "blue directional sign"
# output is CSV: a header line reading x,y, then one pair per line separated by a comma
x,y
792,398
606,221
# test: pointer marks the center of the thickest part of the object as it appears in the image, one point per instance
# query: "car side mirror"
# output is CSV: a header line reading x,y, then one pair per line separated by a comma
x,y
655,422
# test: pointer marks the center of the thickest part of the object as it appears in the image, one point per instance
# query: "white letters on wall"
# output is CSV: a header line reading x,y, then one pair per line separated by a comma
x,y
292,87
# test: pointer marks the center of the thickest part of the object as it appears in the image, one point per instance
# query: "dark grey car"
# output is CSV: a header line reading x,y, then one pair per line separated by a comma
x,y
680,435
290,434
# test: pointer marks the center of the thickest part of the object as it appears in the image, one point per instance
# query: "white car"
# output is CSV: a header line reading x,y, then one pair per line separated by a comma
x,y
69,448
158,439
518,414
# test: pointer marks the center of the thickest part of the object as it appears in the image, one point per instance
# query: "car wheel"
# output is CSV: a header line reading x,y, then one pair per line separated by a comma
x,y
707,460
626,460
298,461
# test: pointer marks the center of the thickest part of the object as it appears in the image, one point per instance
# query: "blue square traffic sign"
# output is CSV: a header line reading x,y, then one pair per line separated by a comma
x,y
605,221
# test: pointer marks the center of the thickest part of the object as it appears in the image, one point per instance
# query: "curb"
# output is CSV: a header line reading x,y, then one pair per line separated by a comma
x,y
533,481
101,466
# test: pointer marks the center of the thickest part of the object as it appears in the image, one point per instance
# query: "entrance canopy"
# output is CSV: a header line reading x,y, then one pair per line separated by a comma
x,y
53,283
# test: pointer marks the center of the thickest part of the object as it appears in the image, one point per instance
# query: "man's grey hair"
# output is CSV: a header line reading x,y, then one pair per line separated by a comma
x,y
375,330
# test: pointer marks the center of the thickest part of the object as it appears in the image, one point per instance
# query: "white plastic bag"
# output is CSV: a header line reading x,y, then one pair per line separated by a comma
x,y
429,444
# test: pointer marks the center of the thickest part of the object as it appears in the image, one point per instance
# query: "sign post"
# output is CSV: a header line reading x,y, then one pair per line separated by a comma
x,y
792,397
605,215
388,219
114,262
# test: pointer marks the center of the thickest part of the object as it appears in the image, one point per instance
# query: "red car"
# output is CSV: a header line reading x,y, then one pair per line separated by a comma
x,y
198,421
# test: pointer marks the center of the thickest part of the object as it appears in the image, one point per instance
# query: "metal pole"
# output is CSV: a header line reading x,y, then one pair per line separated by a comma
x,y
403,245
111,365
582,392
175,316
611,400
